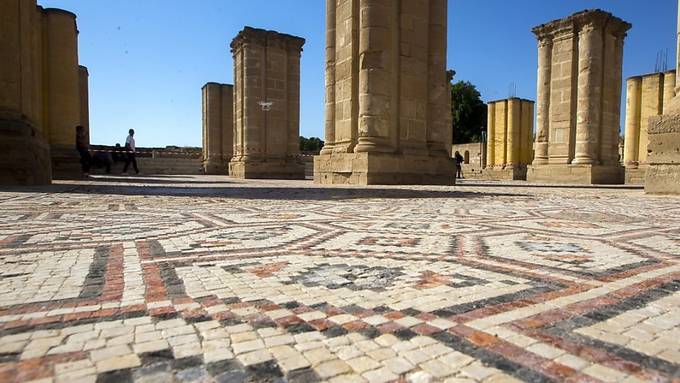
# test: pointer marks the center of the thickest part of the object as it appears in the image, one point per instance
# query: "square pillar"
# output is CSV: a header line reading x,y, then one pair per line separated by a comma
x,y
266,105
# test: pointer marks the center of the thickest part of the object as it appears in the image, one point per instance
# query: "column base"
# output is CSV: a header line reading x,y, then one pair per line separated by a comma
x,y
506,173
66,163
663,172
383,169
284,169
215,168
25,159
576,174
635,174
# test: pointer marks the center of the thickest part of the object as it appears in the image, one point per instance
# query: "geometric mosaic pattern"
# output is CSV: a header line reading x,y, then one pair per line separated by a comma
x,y
208,279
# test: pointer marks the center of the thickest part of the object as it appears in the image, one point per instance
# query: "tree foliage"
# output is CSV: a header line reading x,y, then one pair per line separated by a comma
x,y
469,113
311,145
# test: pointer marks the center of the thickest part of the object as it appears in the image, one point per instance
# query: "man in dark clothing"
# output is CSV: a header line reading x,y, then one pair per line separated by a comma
x,y
459,165
83,148
130,149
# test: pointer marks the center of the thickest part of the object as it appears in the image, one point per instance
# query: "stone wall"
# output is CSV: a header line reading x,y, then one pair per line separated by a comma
x,y
646,96
41,90
218,127
266,105
387,97
510,130
579,90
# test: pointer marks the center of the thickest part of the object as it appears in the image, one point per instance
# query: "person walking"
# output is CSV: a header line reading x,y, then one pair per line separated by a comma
x,y
459,165
83,148
130,149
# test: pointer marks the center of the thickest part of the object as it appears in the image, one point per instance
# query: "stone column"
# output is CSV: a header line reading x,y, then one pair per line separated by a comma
x,y
63,95
438,93
329,114
501,133
227,126
25,158
266,104
212,128
491,136
513,138
632,138
294,49
668,90
83,87
589,107
651,105
376,75
543,108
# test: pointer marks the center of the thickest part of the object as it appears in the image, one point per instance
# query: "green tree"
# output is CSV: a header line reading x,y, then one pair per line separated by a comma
x,y
469,113
311,145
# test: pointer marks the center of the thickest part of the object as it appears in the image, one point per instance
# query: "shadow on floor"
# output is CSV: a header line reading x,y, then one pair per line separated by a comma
x,y
501,184
267,192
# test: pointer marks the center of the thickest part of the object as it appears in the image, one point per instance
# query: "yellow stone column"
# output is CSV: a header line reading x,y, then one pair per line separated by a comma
x,y
376,49
545,46
513,137
63,95
83,87
651,100
526,147
668,90
501,133
329,114
491,135
589,107
632,133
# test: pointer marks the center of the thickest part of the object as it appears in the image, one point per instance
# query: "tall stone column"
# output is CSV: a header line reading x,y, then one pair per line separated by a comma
x,y
329,114
212,129
439,101
589,107
513,138
25,158
491,135
584,99
543,108
63,95
227,149
668,90
83,87
389,92
633,103
266,105
377,22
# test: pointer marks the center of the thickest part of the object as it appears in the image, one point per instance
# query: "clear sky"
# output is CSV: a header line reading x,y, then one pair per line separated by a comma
x,y
148,59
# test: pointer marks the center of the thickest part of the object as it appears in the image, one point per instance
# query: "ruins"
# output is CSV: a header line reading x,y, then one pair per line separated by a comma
x,y
579,90
663,159
266,105
509,139
646,96
43,92
387,95
218,127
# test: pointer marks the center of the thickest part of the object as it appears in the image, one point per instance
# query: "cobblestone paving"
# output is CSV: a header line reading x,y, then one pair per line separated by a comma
x,y
213,280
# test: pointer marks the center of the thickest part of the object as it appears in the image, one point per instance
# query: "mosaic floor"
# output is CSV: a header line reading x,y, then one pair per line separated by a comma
x,y
213,280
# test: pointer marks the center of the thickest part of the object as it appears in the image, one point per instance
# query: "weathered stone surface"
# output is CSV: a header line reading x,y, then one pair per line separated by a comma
x,y
25,158
387,103
579,88
42,88
266,105
509,139
663,173
218,127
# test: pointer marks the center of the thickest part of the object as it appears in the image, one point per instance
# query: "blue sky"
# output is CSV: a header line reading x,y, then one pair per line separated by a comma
x,y
149,58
